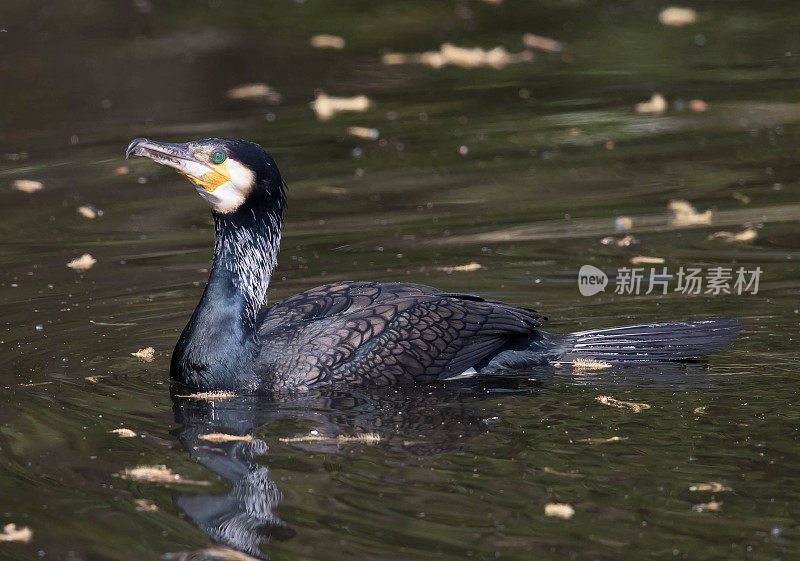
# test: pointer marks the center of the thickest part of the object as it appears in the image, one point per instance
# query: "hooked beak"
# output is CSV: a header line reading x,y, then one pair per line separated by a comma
x,y
184,160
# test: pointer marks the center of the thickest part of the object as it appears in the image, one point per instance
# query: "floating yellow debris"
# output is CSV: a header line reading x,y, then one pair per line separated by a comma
x,y
463,57
324,41
623,223
744,199
699,410
677,16
210,396
157,474
602,440
213,554
11,533
698,105
552,471
656,104
123,433
331,190
145,505
543,43
747,235
589,364
713,486
684,214
468,268
644,259
711,505
146,354
257,91
222,437
559,510
96,378
87,212
364,132
326,106
632,405
35,384
27,185
122,170
82,263
366,438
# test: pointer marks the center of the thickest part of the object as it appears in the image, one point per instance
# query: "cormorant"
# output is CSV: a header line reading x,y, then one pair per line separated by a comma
x,y
359,332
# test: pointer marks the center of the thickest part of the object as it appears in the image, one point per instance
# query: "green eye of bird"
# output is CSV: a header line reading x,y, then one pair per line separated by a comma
x,y
218,157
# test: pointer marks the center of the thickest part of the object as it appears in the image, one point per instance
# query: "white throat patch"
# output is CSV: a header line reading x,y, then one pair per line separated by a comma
x,y
230,195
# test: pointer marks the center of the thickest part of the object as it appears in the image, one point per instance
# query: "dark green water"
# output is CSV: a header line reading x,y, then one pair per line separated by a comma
x,y
460,471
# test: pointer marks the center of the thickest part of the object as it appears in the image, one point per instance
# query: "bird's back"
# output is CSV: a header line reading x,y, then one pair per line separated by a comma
x,y
382,333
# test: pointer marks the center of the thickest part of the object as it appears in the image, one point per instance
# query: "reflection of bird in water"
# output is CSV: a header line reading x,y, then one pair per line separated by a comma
x,y
415,420
243,517
355,332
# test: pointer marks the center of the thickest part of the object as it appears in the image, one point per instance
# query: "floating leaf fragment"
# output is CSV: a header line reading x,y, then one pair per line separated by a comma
x,y
222,437
326,106
210,396
744,199
709,506
35,384
257,91
589,364
449,54
82,263
11,533
331,190
147,354
684,214
123,433
712,486
559,510
602,440
552,471
157,474
468,268
698,105
325,41
542,43
96,378
656,104
145,505
366,438
623,223
676,16
699,410
364,132
87,211
645,260
27,185
211,554
746,235
632,405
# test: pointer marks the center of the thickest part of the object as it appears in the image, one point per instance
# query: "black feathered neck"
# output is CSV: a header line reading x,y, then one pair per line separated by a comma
x,y
222,335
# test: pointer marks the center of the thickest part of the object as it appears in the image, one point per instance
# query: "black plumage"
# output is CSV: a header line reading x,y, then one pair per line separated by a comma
x,y
358,332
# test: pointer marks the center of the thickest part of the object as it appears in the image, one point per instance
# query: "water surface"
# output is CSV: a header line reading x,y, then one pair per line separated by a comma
x,y
522,170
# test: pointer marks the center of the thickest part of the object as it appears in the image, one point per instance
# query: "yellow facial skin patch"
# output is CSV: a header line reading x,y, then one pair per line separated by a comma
x,y
219,175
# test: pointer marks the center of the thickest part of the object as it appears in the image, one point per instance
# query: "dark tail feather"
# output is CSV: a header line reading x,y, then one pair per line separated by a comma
x,y
650,342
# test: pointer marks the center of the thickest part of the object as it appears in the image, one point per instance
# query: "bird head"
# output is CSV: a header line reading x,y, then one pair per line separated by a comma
x,y
227,172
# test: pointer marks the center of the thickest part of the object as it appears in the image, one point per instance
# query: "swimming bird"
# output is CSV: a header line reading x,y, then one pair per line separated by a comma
x,y
359,332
